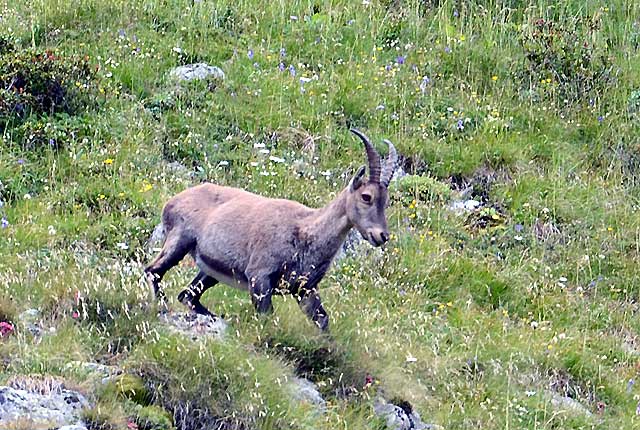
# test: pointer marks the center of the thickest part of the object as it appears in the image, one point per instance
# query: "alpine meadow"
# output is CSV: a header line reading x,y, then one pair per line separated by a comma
x,y
505,297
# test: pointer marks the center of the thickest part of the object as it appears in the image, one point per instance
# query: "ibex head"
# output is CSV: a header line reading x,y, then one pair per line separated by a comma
x,y
368,199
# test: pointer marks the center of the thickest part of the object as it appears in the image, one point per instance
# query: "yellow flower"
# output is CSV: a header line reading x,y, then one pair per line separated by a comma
x,y
108,161
462,38
359,87
494,78
101,196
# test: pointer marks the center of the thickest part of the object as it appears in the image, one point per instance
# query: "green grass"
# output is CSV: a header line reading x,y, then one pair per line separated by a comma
x,y
529,103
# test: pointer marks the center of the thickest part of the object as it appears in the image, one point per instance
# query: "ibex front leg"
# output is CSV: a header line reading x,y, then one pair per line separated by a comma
x,y
311,304
261,288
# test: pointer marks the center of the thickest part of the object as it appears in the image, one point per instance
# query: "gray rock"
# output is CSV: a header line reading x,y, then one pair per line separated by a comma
x,y
102,371
351,244
398,419
306,391
197,71
154,244
47,409
195,326
31,320
460,207
568,404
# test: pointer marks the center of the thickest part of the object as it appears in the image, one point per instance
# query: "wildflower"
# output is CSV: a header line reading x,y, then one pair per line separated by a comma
x,y
5,329
292,70
20,161
518,228
4,222
380,107
456,13
108,161
75,315
400,59
460,125
283,52
276,159
250,54
494,78
447,50
293,18
600,118
424,83
52,142
121,33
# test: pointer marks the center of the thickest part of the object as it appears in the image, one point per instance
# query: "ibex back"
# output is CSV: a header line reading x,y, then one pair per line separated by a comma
x,y
260,244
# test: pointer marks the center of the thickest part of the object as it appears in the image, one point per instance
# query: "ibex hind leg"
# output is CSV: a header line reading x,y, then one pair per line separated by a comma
x,y
190,297
175,247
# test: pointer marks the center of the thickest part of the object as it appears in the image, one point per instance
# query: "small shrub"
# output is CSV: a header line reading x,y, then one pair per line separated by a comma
x,y
153,418
566,60
42,83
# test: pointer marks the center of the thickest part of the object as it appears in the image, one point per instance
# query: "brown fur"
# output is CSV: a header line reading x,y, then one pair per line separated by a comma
x,y
259,243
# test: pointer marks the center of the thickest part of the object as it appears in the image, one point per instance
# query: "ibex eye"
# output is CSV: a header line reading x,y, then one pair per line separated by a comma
x,y
366,198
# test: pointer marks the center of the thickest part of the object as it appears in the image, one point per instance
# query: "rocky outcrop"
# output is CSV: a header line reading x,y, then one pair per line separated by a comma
x,y
51,407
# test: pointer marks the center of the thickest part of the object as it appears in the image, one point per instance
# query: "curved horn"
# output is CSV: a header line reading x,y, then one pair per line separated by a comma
x,y
372,155
389,165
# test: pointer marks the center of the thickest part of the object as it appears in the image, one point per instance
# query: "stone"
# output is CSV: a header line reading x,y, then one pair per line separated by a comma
x,y
57,408
31,321
568,404
306,391
460,207
197,71
102,371
195,326
397,418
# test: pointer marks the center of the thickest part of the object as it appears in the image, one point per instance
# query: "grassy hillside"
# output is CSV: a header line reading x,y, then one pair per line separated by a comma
x,y
478,320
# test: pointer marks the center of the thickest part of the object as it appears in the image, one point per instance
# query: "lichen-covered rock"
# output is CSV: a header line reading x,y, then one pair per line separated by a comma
x,y
197,71
46,409
195,326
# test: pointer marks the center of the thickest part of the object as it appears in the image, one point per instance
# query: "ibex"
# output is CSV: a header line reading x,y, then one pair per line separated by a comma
x,y
260,244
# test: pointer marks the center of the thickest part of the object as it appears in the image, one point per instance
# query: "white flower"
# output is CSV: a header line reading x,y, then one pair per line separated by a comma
x,y
276,159
122,245
52,230
223,163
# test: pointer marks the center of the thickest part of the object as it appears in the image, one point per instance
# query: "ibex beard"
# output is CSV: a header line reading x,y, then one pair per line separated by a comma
x,y
259,244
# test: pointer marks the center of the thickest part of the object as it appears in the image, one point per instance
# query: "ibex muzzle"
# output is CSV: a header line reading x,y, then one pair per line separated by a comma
x,y
261,244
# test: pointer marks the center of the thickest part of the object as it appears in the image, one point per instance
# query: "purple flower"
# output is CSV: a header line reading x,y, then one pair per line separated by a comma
x,y
456,13
400,59
4,222
281,66
256,65
460,125
600,118
292,70
447,49
52,142
250,54
387,67
21,161
518,228
283,52
121,33
424,83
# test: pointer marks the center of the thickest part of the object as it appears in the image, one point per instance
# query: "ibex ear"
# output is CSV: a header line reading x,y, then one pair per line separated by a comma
x,y
357,181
